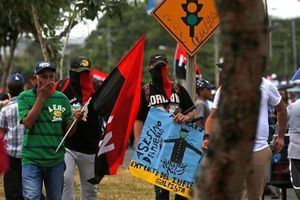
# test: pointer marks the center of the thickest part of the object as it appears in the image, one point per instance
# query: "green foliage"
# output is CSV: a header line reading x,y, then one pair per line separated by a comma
x,y
114,36
281,61
121,25
56,19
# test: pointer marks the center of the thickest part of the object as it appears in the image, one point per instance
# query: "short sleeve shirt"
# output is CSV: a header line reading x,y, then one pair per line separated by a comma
x,y
41,140
202,110
9,121
152,97
269,96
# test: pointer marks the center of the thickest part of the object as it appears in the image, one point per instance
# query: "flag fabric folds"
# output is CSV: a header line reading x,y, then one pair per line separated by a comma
x,y
150,6
99,75
117,102
296,77
3,155
180,60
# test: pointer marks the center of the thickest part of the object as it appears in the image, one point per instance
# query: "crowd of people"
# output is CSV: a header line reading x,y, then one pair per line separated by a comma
x,y
34,121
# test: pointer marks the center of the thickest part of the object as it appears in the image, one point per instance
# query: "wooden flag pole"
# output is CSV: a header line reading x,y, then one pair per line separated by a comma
x,y
73,123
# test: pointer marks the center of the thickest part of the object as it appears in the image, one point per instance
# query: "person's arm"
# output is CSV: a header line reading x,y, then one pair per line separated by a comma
x,y
281,121
43,94
33,113
208,127
186,107
137,129
142,114
4,102
183,118
210,119
78,116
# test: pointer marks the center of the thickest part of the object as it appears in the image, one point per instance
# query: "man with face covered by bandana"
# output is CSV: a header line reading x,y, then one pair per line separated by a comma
x,y
167,96
81,146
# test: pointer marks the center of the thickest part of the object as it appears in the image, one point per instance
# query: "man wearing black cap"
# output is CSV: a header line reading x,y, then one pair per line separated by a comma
x,y
82,145
203,90
46,115
10,126
167,96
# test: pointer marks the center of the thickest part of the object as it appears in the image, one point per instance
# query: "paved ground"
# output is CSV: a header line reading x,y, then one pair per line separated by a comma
x,y
290,193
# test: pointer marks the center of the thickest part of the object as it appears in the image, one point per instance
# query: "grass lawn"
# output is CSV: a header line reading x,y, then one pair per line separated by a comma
x,y
122,186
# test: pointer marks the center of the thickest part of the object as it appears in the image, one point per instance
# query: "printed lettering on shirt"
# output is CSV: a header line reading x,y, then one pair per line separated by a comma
x,y
56,112
73,100
160,99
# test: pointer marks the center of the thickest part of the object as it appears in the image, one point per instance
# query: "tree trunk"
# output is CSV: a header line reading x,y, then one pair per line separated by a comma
x,y
39,33
72,23
245,37
6,61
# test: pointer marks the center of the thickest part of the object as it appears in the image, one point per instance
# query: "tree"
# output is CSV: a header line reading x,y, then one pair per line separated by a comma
x,y
245,49
11,28
43,20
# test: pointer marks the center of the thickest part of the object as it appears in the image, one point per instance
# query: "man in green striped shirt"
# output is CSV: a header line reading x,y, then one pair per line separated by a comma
x,y
46,115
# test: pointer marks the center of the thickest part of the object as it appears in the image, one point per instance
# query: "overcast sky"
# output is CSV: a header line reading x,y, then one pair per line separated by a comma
x,y
82,30
284,9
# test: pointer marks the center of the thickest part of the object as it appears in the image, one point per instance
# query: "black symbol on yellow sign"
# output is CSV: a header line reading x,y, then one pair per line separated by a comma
x,y
192,8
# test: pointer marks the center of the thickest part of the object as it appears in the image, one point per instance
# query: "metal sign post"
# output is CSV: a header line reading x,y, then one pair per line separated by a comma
x,y
193,23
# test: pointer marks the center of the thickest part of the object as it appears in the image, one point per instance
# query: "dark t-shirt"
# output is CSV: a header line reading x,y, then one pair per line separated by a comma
x,y
151,96
87,135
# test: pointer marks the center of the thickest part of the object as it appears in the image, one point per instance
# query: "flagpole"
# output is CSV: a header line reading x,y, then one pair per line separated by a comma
x,y
73,123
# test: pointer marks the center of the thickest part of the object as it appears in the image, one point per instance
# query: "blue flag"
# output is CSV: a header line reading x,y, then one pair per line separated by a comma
x,y
150,6
168,154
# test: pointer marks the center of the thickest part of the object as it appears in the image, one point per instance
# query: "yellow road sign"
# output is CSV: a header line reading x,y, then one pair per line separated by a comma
x,y
190,22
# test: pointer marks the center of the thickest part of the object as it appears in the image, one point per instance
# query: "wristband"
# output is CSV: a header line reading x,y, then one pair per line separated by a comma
x,y
206,136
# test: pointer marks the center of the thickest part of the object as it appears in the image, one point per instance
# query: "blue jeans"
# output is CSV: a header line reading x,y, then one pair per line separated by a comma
x,y
33,177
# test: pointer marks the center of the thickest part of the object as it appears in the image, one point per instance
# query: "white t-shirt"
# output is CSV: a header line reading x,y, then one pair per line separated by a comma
x,y
269,95
216,98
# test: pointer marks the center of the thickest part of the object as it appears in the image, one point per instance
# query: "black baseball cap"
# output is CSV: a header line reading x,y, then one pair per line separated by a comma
x,y
201,83
157,59
80,64
40,66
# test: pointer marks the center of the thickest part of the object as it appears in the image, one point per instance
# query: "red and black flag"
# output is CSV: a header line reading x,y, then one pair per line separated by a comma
x,y
3,155
117,102
98,75
180,61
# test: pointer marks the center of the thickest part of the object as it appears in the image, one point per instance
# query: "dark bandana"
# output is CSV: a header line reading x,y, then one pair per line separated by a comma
x,y
161,81
81,85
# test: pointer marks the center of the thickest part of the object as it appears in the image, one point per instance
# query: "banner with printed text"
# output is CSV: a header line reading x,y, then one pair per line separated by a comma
x,y
168,154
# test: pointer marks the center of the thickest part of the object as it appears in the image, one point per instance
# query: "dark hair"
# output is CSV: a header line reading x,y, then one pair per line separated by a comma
x,y
15,88
3,96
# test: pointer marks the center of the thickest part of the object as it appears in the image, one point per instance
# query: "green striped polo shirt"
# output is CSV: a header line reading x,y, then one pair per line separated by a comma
x,y
41,140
